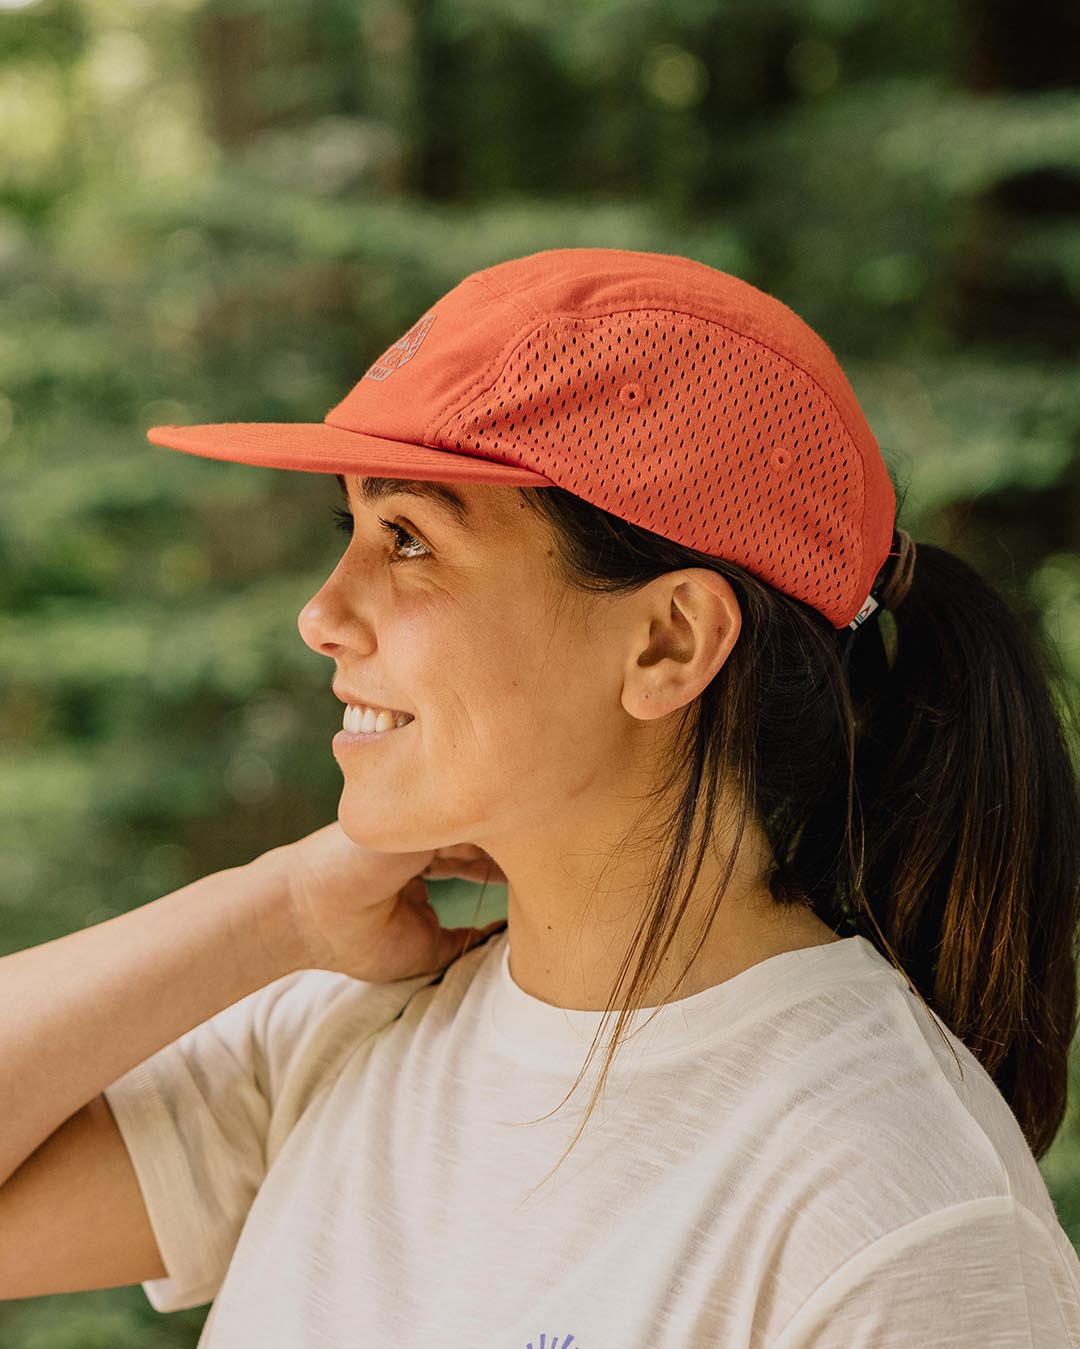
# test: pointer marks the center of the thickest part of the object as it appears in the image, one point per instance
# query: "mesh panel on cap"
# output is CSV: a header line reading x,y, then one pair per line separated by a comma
x,y
589,396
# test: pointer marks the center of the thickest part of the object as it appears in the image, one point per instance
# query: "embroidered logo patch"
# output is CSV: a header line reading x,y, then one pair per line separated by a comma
x,y
404,349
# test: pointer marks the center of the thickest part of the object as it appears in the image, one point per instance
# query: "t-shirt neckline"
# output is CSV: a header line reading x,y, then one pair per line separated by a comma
x,y
542,1035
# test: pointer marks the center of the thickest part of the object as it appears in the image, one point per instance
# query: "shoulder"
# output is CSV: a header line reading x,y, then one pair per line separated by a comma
x,y
987,1271
877,1130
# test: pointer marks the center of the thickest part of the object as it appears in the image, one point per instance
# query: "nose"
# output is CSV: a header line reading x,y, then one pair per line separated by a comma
x,y
325,621
313,626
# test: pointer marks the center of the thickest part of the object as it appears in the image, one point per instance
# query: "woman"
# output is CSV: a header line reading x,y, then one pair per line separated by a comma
x,y
783,795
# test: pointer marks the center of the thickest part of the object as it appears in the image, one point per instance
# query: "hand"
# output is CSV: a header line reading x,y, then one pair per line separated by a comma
x,y
367,914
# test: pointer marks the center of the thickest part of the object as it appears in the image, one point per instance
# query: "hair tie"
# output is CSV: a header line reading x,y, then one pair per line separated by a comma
x,y
892,582
899,582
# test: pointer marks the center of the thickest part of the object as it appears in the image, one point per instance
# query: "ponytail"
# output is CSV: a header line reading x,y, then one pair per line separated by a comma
x,y
971,826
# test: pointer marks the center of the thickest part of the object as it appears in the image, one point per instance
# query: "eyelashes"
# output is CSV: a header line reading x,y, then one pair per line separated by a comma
x,y
344,521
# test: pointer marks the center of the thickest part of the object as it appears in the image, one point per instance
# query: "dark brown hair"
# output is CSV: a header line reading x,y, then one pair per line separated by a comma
x,y
914,781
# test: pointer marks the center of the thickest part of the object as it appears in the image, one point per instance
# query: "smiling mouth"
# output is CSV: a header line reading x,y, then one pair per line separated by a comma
x,y
364,720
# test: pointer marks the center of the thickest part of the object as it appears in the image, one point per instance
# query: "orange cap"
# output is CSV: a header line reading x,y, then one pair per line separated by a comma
x,y
670,394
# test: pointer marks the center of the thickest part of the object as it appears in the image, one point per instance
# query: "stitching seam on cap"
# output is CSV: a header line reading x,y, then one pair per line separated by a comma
x,y
439,426
503,295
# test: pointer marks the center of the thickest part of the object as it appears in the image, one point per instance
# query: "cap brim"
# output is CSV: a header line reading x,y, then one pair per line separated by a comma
x,y
315,447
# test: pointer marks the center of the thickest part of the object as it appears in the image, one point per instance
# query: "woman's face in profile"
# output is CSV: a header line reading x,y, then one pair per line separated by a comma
x,y
512,679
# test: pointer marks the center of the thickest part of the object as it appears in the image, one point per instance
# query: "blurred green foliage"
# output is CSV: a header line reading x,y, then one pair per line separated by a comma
x,y
225,211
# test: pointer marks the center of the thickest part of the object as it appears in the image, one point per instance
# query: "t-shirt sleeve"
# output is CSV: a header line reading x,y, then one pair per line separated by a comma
x,y
204,1117
986,1272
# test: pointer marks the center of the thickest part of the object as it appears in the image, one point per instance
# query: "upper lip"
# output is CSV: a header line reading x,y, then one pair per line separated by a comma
x,y
356,701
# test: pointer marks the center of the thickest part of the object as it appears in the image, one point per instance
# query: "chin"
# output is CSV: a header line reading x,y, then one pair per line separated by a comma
x,y
382,833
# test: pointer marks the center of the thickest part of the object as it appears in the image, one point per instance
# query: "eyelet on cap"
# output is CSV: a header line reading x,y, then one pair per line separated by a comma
x,y
630,394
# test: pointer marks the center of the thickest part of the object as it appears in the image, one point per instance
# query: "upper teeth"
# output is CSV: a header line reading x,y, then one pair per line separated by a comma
x,y
359,718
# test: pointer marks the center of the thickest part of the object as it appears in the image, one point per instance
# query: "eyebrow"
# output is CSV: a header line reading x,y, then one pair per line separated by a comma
x,y
374,490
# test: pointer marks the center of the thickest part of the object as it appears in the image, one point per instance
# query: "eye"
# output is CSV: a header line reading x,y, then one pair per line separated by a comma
x,y
344,522
412,541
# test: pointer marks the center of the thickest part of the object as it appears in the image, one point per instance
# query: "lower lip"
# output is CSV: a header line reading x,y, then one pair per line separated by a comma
x,y
353,739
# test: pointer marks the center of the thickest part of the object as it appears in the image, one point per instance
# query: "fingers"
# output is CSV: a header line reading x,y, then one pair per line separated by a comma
x,y
479,869
464,938
454,942
464,852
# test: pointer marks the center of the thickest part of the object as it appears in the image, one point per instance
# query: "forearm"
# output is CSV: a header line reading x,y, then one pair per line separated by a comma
x,y
78,1012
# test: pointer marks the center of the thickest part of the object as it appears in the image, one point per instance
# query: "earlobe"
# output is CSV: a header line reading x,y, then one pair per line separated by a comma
x,y
688,623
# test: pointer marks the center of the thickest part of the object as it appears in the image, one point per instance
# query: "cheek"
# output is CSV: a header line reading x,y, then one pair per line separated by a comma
x,y
537,703
507,679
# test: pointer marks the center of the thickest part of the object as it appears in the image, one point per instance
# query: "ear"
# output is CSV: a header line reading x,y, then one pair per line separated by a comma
x,y
683,627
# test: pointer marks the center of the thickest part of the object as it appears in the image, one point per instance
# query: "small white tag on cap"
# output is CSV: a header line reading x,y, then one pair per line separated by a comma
x,y
869,605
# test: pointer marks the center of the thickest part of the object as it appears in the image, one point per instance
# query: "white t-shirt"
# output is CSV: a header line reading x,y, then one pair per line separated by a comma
x,y
788,1159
